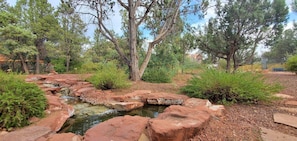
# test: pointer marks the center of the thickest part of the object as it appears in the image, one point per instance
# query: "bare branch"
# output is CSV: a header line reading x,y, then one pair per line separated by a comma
x,y
165,31
123,4
148,9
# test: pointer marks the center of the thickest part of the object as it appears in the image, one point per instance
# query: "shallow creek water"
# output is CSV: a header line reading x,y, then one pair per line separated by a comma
x,y
87,116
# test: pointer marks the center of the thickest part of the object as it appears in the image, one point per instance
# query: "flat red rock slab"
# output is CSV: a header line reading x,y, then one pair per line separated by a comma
x,y
124,106
285,119
30,133
284,96
55,120
291,110
123,128
62,137
291,102
270,135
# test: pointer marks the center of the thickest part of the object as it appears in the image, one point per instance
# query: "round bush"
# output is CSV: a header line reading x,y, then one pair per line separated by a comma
x,y
19,101
109,76
291,64
221,87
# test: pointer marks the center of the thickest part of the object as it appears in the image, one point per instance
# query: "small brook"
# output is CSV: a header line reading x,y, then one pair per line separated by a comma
x,y
87,116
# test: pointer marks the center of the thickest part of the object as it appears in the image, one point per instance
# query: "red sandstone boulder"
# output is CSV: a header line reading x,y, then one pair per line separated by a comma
x,y
54,102
30,133
146,96
291,102
204,105
56,119
165,99
124,106
177,123
84,90
196,102
126,128
138,95
95,98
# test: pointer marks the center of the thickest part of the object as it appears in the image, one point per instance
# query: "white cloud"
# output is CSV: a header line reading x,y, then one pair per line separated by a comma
x,y
289,2
289,25
210,13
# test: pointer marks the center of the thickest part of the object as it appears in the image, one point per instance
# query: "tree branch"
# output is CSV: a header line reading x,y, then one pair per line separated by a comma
x,y
148,9
123,4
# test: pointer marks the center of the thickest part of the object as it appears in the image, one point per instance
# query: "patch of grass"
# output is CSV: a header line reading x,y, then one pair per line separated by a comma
x,y
19,101
109,76
221,87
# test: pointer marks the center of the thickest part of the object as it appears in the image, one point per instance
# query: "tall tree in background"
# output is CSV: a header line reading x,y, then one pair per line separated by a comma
x,y
17,42
285,45
3,5
240,26
73,28
38,16
139,11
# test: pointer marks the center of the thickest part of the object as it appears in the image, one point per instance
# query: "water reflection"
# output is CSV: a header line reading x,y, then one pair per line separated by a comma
x,y
79,125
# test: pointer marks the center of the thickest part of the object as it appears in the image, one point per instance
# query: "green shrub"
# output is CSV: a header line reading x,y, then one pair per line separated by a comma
x,y
109,76
89,67
291,64
158,75
222,87
59,65
19,101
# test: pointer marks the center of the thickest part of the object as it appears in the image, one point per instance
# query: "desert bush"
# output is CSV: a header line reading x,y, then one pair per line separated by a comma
x,y
221,87
291,64
158,75
19,101
89,67
109,76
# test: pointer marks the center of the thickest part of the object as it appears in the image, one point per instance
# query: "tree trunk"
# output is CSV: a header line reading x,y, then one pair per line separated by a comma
x,y
24,64
37,64
67,63
41,53
228,59
183,60
134,72
38,47
68,57
235,63
146,59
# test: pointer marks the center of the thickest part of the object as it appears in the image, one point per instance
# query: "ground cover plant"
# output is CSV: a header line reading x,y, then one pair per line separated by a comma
x,y
109,76
19,101
221,87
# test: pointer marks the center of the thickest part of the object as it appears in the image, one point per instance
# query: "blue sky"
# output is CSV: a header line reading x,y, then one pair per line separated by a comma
x,y
115,22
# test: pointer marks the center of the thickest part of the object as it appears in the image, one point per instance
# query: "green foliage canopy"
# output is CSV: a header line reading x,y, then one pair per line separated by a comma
x,y
240,26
